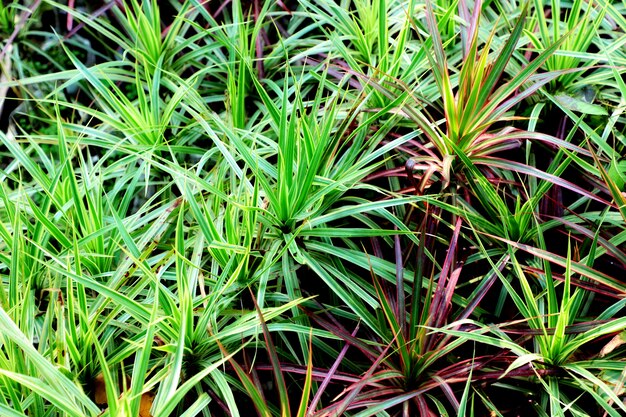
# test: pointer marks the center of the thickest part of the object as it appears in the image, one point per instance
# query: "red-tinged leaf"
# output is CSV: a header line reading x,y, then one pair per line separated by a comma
x,y
486,284
505,97
394,326
306,389
501,61
423,407
452,281
345,335
330,374
318,374
376,409
447,281
448,391
277,371
584,284
254,392
520,78
491,143
521,135
343,405
616,192
400,295
532,171
576,267
439,65
610,248
440,68
477,73
378,380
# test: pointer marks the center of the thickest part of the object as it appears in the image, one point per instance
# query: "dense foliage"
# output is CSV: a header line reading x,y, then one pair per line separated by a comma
x,y
312,208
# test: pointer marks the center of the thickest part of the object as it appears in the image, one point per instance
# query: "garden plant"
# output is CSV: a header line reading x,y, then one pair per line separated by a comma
x,y
312,208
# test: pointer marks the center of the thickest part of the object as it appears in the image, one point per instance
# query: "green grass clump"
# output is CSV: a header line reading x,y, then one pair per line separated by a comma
x,y
313,208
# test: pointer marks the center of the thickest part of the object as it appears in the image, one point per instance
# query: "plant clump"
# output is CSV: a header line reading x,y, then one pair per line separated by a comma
x,y
312,208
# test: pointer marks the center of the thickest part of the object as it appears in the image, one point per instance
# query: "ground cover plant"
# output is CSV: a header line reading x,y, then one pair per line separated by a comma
x,y
312,208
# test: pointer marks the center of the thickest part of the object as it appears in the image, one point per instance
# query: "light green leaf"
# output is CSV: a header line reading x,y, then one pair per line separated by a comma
x,y
578,105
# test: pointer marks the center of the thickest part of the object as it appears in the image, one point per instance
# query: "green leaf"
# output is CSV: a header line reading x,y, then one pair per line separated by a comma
x,y
617,172
575,104
521,361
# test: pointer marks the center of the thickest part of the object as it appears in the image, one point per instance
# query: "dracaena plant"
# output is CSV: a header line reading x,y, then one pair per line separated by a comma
x,y
138,102
374,39
474,100
550,25
510,193
555,334
408,371
589,23
319,158
480,96
253,385
104,331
